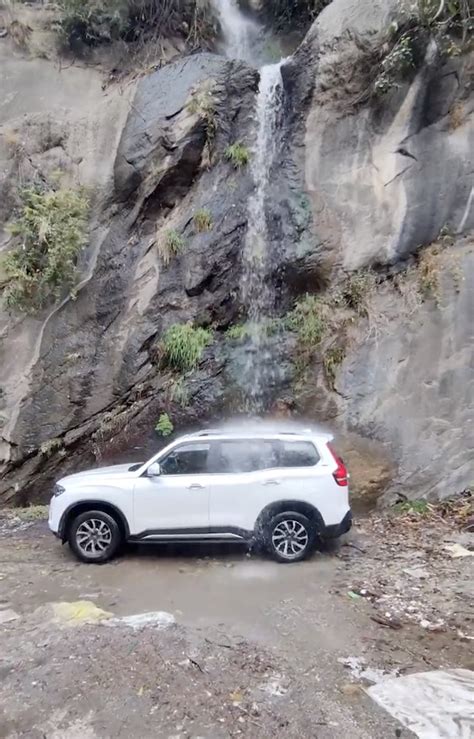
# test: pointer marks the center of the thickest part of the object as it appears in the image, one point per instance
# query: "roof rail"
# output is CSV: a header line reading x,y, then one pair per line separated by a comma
x,y
243,432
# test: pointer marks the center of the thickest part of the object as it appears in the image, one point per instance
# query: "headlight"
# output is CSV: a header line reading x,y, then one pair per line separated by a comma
x,y
58,489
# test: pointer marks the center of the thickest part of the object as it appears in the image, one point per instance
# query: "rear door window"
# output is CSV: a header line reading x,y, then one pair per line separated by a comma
x,y
298,454
243,455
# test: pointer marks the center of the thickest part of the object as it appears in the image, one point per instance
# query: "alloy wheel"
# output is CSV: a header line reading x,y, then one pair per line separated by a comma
x,y
290,538
93,537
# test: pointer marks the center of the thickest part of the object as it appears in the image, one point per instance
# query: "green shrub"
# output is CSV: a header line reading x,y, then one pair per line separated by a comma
x,y
237,154
51,229
183,345
203,220
164,427
307,319
170,246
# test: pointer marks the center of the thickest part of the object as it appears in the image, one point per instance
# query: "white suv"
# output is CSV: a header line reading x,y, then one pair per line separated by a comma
x,y
283,490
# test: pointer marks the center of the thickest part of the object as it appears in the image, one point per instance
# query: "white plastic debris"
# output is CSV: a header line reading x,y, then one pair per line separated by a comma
x,y
275,687
157,619
438,704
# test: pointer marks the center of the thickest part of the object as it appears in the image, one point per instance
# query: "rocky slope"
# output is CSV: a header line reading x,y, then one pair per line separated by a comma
x,y
359,190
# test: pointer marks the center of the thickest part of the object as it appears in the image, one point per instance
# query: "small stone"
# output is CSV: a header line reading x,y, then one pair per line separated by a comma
x,y
8,616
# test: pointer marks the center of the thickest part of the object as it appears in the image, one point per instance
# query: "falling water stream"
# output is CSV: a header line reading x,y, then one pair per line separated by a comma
x,y
241,37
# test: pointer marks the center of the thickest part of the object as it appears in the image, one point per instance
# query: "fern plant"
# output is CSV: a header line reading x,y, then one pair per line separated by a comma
x,y
164,426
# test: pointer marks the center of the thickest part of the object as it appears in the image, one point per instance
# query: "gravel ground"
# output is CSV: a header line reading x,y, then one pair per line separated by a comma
x,y
255,649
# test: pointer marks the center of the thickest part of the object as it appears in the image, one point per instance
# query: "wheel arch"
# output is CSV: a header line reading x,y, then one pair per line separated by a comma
x,y
75,509
287,506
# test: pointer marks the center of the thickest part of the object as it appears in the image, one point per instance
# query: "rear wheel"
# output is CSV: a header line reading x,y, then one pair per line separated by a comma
x,y
94,537
290,537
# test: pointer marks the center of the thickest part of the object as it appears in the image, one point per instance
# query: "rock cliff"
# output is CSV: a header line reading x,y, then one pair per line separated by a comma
x,y
370,207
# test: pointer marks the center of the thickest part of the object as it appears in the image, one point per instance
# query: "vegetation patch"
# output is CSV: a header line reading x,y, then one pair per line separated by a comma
x,y
332,359
164,426
179,393
29,514
237,154
429,274
286,15
92,23
203,220
244,331
417,507
50,231
48,448
357,291
238,332
308,321
183,345
384,62
170,246
203,104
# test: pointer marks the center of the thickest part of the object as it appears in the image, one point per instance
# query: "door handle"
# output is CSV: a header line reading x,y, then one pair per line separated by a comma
x,y
271,482
195,486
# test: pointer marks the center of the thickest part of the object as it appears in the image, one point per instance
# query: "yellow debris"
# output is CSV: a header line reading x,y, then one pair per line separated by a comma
x,y
79,612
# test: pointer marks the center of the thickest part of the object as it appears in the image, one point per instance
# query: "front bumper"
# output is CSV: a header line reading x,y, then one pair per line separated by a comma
x,y
337,530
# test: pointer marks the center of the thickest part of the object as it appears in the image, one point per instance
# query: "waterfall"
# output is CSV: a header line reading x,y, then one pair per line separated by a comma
x,y
240,32
259,372
257,293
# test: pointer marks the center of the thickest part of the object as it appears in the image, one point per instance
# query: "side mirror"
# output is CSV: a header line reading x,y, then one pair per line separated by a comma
x,y
154,470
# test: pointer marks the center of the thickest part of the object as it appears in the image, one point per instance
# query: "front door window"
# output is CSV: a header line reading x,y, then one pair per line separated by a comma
x,y
187,459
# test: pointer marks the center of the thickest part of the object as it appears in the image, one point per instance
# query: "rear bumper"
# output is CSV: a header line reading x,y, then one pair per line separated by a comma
x,y
337,530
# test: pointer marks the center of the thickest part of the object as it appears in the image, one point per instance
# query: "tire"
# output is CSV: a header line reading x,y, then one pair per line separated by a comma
x,y
94,537
292,532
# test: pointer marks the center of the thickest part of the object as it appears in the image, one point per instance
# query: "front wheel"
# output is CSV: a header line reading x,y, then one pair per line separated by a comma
x,y
94,537
290,537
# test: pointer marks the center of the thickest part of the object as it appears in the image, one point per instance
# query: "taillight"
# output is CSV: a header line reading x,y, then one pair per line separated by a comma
x,y
340,475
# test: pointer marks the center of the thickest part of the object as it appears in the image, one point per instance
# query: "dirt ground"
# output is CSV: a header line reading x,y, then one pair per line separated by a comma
x,y
251,648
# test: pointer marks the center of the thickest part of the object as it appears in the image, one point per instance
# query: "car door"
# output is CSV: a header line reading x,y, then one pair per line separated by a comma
x,y
244,479
177,500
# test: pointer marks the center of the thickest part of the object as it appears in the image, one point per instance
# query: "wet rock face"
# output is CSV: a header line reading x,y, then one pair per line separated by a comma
x,y
94,351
